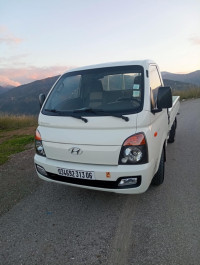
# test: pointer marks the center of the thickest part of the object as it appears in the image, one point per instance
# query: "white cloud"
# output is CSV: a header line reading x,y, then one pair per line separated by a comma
x,y
195,40
5,81
6,37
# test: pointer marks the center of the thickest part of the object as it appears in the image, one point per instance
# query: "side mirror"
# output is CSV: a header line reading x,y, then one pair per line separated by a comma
x,y
164,98
41,99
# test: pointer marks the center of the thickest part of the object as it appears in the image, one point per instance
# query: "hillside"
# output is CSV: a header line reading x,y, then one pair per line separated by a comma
x,y
4,89
180,86
24,99
192,78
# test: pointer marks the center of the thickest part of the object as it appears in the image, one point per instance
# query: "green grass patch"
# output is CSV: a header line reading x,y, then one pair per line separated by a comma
x,y
187,94
13,122
15,145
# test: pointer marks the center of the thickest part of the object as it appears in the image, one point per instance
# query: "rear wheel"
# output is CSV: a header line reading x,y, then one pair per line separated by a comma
x,y
159,176
172,132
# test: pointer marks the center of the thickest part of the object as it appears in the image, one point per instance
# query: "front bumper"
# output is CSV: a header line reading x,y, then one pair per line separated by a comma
x,y
143,173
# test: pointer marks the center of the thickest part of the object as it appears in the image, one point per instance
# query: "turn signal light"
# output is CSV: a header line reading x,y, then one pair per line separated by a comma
x,y
38,136
137,139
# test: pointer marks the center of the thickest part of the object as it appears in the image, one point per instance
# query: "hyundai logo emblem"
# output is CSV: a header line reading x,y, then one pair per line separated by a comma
x,y
75,151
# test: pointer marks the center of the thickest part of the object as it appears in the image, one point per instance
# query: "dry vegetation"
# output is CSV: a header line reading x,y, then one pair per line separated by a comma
x,y
13,122
186,94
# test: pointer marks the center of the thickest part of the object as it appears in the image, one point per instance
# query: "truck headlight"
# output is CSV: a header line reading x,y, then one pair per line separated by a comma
x,y
134,150
38,144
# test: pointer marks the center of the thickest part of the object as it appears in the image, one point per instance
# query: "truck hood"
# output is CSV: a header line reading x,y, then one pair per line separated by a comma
x,y
99,130
99,140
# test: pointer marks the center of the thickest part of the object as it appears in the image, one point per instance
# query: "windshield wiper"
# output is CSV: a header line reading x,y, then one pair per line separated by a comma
x,y
86,109
95,111
80,118
113,115
66,111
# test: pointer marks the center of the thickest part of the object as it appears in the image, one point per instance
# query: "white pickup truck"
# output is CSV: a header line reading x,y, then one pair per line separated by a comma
x,y
106,127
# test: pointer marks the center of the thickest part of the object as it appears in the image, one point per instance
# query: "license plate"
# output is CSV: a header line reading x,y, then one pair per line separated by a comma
x,y
80,174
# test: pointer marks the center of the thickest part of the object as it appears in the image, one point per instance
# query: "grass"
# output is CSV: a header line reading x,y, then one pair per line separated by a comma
x,y
16,132
14,145
13,122
187,94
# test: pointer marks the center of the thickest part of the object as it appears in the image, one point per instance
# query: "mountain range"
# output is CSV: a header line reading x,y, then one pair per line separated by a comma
x,y
4,89
24,99
192,78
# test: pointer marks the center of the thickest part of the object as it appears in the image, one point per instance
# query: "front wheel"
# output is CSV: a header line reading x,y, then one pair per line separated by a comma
x,y
159,176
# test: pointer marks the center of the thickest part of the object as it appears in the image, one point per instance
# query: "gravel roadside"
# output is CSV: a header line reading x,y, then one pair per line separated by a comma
x,y
18,179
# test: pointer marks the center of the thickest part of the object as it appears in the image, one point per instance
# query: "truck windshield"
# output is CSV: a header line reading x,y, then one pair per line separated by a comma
x,y
110,90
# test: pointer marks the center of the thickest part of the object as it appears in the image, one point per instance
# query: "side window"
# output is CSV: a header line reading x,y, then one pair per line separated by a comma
x,y
155,83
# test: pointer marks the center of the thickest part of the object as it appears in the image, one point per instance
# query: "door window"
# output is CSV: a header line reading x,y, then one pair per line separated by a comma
x,y
155,83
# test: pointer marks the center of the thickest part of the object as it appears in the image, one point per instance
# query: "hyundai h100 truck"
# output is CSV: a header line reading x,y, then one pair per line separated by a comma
x,y
106,127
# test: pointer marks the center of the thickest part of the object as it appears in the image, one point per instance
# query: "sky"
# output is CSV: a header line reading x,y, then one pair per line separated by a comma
x,y
42,38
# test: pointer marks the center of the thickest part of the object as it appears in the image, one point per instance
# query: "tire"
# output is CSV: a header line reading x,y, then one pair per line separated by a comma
x,y
172,132
159,176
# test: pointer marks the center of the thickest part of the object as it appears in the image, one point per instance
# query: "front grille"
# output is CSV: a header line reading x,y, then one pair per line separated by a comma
x,y
94,183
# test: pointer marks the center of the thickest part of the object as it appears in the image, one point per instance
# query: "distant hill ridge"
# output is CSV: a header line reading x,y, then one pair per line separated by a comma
x,y
177,85
192,78
24,99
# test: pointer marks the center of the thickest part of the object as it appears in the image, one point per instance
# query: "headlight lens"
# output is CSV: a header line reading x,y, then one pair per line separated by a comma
x,y
134,154
39,148
134,150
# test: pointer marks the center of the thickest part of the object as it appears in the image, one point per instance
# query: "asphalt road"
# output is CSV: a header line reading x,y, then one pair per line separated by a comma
x,y
62,225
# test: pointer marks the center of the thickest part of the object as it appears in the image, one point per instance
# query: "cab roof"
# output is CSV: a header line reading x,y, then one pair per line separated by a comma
x,y
144,63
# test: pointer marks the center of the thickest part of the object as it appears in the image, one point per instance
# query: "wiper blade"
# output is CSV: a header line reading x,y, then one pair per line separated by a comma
x,y
66,111
114,115
95,111
80,118
122,117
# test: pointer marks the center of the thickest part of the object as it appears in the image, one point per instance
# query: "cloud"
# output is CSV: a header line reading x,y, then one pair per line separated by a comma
x,y
10,40
7,37
29,74
19,60
5,81
195,40
2,28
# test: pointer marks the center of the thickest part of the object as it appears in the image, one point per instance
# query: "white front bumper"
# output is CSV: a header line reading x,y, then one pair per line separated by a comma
x,y
146,171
